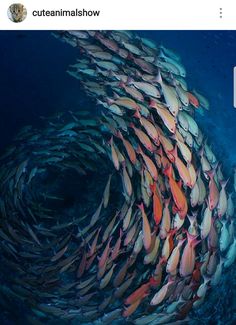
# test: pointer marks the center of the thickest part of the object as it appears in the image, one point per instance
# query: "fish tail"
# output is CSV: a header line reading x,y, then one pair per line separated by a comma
x,y
153,187
132,125
152,103
174,152
119,135
129,80
210,173
168,171
111,141
224,183
139,150
122,84
141,206
137,114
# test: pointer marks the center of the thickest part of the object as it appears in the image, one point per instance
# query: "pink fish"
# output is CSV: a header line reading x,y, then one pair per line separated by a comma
x,y
162,293
187,261
213,197
116,248
143,138
149,163
104,256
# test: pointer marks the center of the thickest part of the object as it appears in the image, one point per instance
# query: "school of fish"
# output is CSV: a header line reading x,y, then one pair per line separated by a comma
x,y
157,230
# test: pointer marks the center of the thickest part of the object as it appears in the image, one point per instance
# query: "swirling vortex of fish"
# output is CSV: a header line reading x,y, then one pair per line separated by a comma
x,y
121,217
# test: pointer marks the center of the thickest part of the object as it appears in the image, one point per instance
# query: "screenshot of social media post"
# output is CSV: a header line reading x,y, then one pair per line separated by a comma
x,y
117,163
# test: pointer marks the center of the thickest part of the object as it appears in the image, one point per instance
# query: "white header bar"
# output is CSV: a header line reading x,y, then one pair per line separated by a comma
x,y
123,14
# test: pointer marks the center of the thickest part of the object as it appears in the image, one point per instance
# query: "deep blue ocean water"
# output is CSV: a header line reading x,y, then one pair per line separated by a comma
x,y
34,82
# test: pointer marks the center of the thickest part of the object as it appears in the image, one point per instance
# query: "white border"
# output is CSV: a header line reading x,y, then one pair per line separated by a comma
x,y
127,14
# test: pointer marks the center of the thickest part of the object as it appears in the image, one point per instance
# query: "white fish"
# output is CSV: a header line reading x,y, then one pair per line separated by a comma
x,y
231,255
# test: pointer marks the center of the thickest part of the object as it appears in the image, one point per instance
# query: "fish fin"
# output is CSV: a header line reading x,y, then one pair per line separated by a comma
x,y
153,187
130,56
158,77
180,183
141,206
132,125
175,209
167,201
123,163
174,152
110,101
160,151
111,74
152,103
192,217
119,135
137,114
139,151
168,171
210,173
224,183
121,84
111,140
129,80
116,96
171,232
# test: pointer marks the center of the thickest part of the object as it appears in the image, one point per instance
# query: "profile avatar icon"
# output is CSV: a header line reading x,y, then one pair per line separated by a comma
x,y
17,12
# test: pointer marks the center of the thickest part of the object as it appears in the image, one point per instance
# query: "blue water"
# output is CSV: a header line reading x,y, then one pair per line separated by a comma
x,y
34,81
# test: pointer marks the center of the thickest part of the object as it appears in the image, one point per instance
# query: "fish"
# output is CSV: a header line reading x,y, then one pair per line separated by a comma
x,y
182,169
126,182
157,204
170,95
166,220
222,203
213,197
105,280
146,230
162,293
164,114
206,222
129,148
178,196
114,155
143,138
149,258
149,164
107,192
187,260
174,258
224,236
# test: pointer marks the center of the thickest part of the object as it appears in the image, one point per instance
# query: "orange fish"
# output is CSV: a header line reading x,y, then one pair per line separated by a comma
x,y
182,169
178,195
193,100
149,163
137,294
129,148
103,258
213,197
143,138
157,204
131,309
